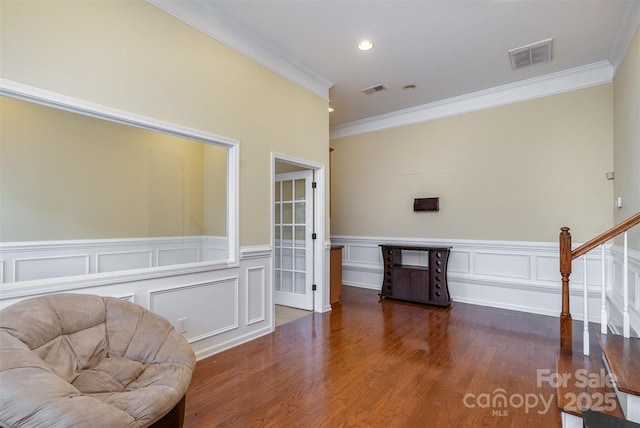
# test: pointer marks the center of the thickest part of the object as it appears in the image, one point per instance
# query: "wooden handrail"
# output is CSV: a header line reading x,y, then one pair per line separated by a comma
x,y
566,257
604,237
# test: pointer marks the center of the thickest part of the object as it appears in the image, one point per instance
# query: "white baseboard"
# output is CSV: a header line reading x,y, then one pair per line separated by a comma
x,y
228,344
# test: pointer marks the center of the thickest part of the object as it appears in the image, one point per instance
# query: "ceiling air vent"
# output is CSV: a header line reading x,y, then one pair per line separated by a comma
x,y
534,53
374,89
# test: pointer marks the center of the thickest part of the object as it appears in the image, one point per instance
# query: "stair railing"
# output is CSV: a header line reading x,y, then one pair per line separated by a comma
x,y
566,258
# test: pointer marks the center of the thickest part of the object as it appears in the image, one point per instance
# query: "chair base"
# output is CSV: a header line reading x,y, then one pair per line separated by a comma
x,y
175,417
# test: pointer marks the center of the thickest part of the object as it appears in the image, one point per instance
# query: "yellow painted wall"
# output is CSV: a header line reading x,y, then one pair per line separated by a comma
x,y
627,138
518,172
67,176
132,56
215,190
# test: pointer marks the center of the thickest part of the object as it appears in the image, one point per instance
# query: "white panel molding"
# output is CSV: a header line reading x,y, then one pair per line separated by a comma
x,y
203,17
172,256
511,275
35,268
502,264
205,312
255,293
123,258
110,255
551,84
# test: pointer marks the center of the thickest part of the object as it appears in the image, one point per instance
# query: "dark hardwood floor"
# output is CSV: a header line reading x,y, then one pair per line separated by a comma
x,y
371,363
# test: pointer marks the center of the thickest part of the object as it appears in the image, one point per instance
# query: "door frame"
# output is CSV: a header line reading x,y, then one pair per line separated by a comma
x,y
320,247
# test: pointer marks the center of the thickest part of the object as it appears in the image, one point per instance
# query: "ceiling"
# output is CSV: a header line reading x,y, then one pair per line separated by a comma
x,y
448,49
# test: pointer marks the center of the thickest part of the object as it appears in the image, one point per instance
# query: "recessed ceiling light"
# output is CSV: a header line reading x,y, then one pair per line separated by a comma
x,y
365,45
408,87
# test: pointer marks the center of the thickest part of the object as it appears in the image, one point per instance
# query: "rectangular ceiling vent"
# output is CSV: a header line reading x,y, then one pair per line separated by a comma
x,y
534,53
374,89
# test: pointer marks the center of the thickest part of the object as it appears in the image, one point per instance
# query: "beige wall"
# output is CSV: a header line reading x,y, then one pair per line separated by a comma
x,y
517,172
627,137
135,57
67,176
215,190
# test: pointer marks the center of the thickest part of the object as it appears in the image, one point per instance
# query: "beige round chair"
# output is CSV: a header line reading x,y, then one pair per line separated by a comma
x,y
75,360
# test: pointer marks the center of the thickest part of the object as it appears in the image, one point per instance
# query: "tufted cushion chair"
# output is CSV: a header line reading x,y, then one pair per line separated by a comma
x,y
74,360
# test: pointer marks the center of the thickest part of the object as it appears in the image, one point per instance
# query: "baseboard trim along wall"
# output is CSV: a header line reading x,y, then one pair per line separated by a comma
x,y
515,275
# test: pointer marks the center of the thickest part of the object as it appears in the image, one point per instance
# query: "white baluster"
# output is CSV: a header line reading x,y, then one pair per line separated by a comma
x,y
603,309
585,312
625,284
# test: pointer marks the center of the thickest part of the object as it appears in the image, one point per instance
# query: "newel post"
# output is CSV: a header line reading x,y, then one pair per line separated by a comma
x,y
565,270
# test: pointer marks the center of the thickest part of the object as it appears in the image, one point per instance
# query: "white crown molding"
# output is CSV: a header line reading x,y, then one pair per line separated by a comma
x,y
577,78
627,31
203,17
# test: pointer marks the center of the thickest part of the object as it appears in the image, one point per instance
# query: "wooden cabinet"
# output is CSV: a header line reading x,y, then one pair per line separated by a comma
x,y
335,264
416,274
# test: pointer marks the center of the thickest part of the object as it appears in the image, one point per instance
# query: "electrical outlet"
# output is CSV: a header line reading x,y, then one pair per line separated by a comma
x,y
182,325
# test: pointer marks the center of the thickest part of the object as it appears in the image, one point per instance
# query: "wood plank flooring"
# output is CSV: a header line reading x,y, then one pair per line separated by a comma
x,y
623,357
372,363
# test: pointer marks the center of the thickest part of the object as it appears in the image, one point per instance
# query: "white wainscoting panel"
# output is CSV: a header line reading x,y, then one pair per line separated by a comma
x,y
222,305
208,308
256,281
178,256
503,265
29,261
124,260
49,267
460,262
548,268
615,294
361,253
523,276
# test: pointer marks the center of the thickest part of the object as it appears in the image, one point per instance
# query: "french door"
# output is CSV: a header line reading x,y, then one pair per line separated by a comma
x,y
293,243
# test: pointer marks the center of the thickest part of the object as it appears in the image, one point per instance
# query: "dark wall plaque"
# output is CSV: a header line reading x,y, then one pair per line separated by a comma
x,y
426,204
